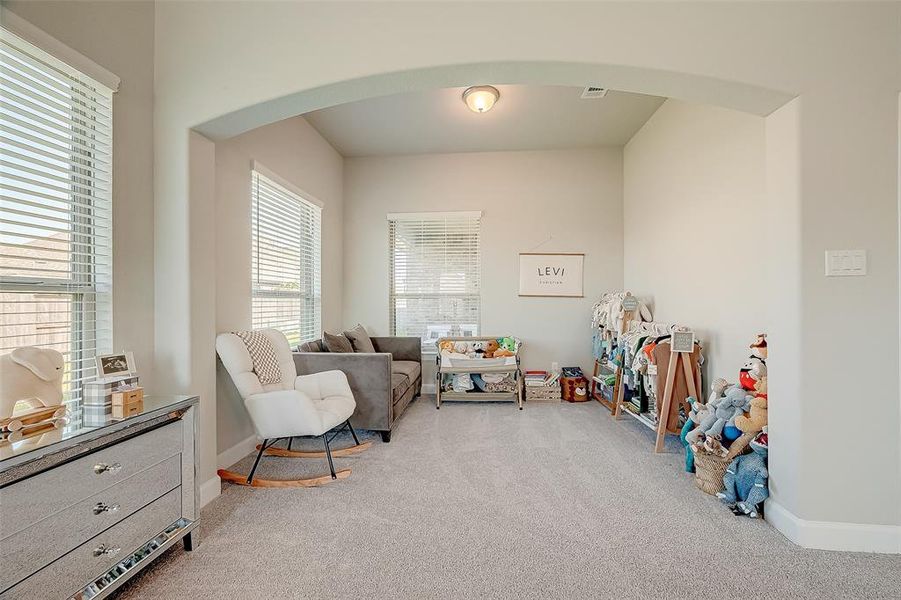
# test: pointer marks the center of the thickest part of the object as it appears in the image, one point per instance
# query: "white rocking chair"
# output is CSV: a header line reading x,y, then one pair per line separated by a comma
x,y
306,406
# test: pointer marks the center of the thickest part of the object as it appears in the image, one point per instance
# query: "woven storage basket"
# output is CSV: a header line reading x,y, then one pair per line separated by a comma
x,y
710,468
543,393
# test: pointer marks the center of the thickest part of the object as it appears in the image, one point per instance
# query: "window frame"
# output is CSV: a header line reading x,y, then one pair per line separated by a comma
x,y
82,112
433,217
317,207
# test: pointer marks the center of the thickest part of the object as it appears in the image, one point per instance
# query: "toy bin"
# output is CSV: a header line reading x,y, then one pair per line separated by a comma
x,y
575,389
710,468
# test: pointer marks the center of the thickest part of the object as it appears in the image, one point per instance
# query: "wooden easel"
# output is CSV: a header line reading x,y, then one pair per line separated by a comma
x,y
664,409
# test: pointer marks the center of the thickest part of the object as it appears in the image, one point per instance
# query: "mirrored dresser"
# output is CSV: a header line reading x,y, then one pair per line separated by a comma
x,y
82,509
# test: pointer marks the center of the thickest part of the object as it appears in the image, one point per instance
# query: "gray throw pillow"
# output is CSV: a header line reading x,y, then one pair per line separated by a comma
x,y
336,343
359,339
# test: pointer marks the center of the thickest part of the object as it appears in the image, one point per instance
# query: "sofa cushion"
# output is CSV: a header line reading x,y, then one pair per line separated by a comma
x,y
336,343
314,346
399,386
409,368
359,339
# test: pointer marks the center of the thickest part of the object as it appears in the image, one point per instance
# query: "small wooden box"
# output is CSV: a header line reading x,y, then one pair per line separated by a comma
x,y
128,403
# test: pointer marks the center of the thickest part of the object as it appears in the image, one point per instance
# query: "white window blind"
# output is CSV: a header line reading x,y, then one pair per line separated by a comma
x,y
434,287
286,262
55,210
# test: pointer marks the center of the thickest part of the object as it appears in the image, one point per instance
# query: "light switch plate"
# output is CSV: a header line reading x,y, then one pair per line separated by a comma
x,y
846,263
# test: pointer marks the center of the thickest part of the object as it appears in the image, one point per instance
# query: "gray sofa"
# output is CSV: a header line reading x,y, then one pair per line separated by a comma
x,y
383,383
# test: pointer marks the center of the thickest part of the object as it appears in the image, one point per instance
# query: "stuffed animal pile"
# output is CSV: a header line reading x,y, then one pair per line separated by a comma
x,y
731,411
492,348
476,349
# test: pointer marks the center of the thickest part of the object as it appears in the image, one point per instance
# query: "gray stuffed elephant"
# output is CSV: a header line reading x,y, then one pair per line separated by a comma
x,y
733,404
32,375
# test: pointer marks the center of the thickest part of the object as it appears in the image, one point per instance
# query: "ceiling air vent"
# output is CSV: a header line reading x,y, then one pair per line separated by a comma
x,y
594,92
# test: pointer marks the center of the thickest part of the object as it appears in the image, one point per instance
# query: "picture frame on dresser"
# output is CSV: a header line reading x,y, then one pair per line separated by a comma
x,y
120,364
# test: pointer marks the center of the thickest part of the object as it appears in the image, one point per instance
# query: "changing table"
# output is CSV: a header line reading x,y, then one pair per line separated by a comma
x,y
456,366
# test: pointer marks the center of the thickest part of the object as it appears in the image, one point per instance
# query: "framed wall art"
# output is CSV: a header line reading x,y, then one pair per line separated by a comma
x,y
551,275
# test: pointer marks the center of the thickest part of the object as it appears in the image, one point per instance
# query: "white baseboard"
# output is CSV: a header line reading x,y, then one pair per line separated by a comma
x,y
210,490
828,535
232,455
428,388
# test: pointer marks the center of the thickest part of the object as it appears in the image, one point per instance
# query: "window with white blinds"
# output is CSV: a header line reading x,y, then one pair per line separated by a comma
x,y
434,275
286,261
55,210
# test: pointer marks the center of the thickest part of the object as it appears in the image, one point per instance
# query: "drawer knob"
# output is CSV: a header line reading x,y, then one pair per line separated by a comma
x,y
101,468
103,550
101,508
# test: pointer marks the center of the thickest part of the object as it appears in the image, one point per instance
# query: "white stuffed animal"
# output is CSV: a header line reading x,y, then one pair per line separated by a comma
x,y
33,375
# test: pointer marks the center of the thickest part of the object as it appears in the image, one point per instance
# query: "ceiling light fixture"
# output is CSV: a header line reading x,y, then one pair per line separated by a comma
x,y
481,98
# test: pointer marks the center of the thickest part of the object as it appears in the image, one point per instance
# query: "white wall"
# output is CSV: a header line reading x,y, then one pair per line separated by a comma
x,y
843,187
551,201
296,152
783,220
695,226
119,37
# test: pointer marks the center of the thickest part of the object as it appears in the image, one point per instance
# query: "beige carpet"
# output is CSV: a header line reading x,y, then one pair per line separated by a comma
x,y
485,501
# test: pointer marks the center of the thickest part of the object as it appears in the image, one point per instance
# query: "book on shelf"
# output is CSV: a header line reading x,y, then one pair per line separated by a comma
x,y
541,379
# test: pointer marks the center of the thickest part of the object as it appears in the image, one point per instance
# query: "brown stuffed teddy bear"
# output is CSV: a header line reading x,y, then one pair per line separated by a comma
x,y
490,348
757,418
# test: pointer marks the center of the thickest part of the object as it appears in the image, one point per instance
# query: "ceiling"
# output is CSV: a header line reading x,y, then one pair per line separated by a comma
x,y
526,117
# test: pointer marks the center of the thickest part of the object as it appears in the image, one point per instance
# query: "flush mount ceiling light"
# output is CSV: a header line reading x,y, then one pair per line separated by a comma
x,y
481,98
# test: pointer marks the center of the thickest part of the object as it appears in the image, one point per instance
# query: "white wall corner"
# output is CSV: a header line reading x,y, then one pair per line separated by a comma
x,y
210,490
232,455
828,535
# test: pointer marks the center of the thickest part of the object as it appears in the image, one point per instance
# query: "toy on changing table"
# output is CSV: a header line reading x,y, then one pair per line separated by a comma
x,y
452,350
507,346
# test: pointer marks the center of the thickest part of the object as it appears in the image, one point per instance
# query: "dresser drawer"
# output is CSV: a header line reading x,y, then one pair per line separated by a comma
x,y
25,552
60,579
36,498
